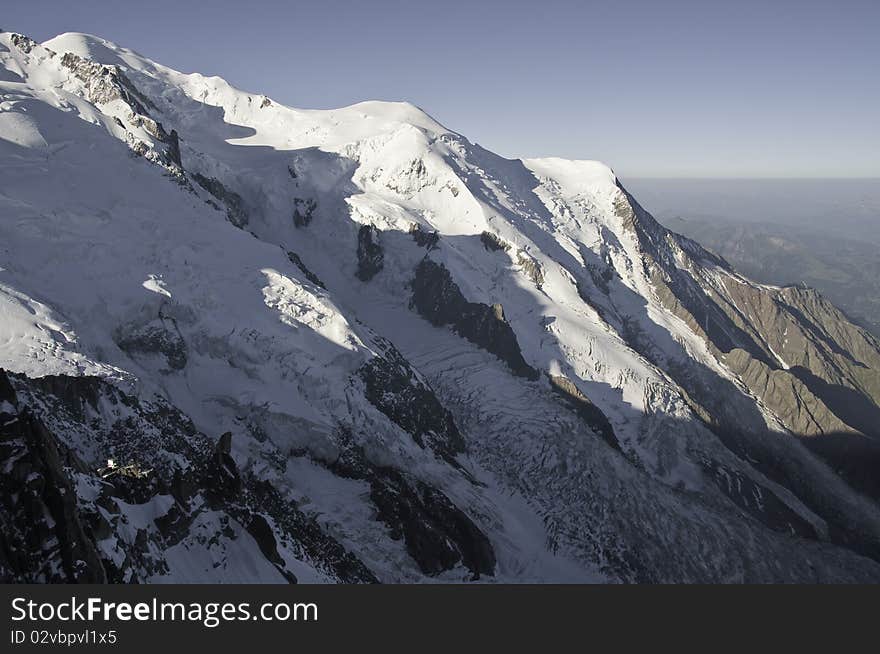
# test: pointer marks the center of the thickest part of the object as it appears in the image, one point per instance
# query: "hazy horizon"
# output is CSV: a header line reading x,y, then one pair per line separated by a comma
x,y
844,207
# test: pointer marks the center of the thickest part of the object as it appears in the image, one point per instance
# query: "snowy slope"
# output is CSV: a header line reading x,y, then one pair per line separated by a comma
x,y
449,364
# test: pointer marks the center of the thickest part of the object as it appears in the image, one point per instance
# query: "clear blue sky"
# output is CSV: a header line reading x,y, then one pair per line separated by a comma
x,y
664,88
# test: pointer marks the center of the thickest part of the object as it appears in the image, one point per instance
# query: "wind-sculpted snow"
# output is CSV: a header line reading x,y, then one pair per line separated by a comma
x,y
389,354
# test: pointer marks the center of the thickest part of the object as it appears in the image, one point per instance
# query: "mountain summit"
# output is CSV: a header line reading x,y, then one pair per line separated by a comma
x,y
245,342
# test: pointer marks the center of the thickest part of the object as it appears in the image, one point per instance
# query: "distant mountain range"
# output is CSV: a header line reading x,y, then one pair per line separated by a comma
x,y
845,270
824,233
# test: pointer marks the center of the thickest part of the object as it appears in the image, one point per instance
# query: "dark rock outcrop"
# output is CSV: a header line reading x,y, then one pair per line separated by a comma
x,y
105,83
232,201
22,42
759,501
155,338
7,393
173,150
265,537
371,257
531,268
438,299
493,242
393,387
438,535
296,261
586,410
425,239
42,535
303,209
50,533
223,478
305,534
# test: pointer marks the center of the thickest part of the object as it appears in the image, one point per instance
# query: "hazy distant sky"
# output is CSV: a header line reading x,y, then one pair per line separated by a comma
x,y
661,88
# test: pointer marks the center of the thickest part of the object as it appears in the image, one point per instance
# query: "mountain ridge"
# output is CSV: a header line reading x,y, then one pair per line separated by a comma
x,y
628,408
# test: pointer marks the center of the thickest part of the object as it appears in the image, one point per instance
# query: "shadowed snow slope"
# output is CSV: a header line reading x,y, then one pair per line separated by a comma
x,y
350,345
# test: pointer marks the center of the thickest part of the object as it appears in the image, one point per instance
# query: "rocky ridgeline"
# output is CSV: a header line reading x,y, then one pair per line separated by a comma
x,y
43,535
696,426
788,346
104,84
56,531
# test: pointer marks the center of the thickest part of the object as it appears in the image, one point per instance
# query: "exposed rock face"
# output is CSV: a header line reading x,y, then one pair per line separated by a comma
x,y
23,43
761,502
790,347
7,394
173,151
156,337
106,83
790,398
425,239
225,487
42,535
371,257
436,297
806,334
234,204
530,267
409,178
493,242
785,329
305,535
394,388
589,412
296,261
438,535
303,209
223,478
52,532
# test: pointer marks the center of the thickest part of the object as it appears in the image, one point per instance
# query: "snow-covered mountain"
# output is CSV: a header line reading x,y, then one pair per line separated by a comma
x,y
353,346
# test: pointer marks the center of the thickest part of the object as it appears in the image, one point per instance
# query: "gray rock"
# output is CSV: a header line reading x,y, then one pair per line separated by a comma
x,y
393,387
156,337
43,535
588,412
493,242
438,535
530,267
436,297
231,200
303,209
425,239
371,257
312,277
